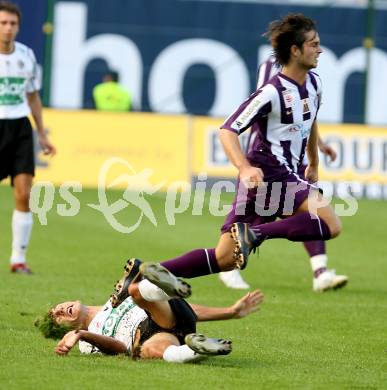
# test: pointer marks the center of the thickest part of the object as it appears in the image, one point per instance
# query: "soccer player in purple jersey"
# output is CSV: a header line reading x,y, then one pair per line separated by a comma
x,y
322,281
282,117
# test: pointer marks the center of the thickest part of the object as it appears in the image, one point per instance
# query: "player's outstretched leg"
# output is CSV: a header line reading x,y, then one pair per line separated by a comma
x,y
204,345
169,283
121,288
245,241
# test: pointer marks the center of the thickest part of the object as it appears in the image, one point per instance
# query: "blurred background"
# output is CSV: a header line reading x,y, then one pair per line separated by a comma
x,y
200,58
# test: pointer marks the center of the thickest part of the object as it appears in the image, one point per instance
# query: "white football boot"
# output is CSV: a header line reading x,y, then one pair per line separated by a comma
x,y
233,279
328,280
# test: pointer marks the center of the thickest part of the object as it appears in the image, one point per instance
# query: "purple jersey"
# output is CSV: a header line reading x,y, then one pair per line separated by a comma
x,y
281,114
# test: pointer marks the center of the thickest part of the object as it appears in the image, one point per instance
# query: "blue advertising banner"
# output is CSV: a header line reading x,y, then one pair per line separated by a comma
x,y
201,57
34,14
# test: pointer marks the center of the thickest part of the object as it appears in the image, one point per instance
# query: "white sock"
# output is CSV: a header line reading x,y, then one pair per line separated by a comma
x,y
181,354
21,232
151,293
318,261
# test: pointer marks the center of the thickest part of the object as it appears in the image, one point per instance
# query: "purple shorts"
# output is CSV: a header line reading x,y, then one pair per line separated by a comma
x,y
276,199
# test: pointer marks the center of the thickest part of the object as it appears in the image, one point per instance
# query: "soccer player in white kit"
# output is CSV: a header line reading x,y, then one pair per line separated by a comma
x,y
145,322
323,279
19,96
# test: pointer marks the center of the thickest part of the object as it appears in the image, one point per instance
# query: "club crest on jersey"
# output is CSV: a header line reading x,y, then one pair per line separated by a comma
x,y
20,64
288,98
305,106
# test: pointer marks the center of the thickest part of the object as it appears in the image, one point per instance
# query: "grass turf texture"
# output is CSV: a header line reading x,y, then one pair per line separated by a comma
x,y
299,340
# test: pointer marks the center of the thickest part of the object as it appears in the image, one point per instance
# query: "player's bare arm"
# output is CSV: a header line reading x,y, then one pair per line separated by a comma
x,y
67,342
244,306
311,172
326,149
249,175
105,344
36,110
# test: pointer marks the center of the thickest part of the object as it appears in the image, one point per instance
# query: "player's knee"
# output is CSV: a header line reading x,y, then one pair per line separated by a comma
x,y
335,227
22,195
152,351
134,292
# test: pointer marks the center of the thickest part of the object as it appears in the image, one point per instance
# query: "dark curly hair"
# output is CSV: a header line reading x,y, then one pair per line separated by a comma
x,y
286,32
49,328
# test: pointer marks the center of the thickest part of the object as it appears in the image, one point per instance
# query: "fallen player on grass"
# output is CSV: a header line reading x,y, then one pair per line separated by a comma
x,y
147,317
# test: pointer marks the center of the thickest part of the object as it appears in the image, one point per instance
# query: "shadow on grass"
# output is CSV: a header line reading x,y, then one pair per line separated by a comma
x,y
227,363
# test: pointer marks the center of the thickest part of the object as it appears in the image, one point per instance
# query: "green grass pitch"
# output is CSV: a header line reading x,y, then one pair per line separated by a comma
x,y
299,340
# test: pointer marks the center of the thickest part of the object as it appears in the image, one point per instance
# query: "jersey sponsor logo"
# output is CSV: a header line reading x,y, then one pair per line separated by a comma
x,y
294,129
245,115
288,98
112,322
238,124
304,130
12,90
305,105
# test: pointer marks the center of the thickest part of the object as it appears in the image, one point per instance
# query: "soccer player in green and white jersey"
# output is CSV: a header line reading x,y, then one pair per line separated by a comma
x,y
147,318
19,97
